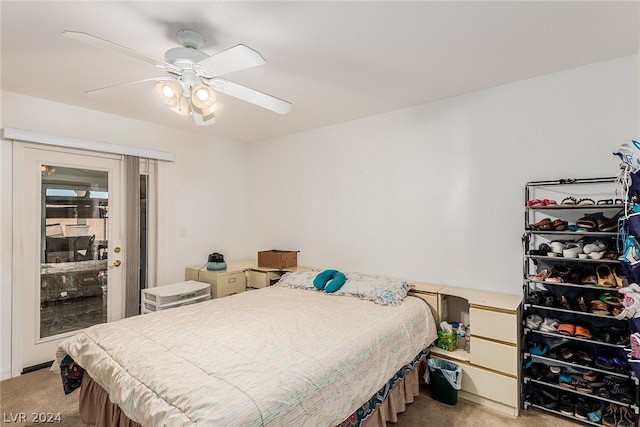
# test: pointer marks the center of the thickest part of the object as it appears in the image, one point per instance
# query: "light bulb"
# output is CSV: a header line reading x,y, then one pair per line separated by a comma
x,y
202,94
167,91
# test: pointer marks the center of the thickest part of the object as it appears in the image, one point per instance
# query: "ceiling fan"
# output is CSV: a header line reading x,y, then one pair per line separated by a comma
x,y
194,77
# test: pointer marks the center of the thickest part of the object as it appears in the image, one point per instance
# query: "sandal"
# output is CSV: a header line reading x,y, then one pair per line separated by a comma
x,y
598,307
587,222
604,202
569,201
627,418
566,354
586,202
544,224
605,276
540,277
618,275
559,225
610,416
582,332
566,329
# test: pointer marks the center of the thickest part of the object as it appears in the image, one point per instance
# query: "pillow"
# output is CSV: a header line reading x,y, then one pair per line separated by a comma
x,y
329,280
302,279
379,289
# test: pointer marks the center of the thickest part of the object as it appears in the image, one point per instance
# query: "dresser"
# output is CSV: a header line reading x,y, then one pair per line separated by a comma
x,y
490,369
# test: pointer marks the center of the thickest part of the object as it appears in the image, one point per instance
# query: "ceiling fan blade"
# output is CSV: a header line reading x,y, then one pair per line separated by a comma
x,y
123,85
236,58
250,95
105,44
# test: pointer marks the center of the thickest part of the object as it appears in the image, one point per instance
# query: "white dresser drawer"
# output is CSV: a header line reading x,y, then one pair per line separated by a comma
x,y
494,324
494,355
490,385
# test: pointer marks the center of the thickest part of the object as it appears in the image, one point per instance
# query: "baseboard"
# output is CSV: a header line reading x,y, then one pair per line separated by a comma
x,y
5,375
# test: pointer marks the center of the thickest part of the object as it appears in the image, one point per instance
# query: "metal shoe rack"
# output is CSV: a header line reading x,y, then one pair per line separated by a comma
x,y
574,376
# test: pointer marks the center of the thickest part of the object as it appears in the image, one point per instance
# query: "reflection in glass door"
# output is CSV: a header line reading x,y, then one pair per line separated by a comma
x,y
74,249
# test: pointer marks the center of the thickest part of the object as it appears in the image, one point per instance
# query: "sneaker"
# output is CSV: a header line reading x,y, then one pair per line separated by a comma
x,y
629,153
582,409
595,416
566,405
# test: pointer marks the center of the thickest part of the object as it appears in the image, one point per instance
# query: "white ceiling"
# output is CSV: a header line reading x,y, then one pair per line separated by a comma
x,y
335,61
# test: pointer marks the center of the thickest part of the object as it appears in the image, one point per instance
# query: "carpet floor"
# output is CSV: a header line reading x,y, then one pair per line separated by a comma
x,y
40,392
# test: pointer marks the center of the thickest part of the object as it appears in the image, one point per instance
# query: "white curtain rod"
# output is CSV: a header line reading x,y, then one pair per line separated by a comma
x,y
84,144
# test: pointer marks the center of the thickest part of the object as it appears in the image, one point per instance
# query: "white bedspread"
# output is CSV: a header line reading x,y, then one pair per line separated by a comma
x,y
269,357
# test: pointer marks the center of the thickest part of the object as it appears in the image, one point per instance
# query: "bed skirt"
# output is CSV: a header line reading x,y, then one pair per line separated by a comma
x,y
96,410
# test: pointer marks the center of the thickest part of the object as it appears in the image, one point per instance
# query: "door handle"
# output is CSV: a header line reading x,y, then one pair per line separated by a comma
x,y
116,263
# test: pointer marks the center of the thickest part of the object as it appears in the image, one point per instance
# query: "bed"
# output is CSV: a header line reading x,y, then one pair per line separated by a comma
x,y
285,355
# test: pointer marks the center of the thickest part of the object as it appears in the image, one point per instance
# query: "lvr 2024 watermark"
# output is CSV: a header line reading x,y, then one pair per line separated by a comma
x,y
31,417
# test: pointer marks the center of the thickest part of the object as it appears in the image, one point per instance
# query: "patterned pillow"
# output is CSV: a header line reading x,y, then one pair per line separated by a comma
x,y
379,289
302,279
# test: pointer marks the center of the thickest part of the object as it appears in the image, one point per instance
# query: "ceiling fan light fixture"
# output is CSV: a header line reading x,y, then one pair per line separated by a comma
x,y
170,92
202,96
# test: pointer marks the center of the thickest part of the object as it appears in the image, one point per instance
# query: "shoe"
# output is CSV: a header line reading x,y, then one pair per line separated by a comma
x,y
588,222
582,408
626,417
533,321
586,202
550,325
599,307
582,332
566,329
572,250
557,247
619,275
559,225
610,416
570,201
544,224
605,276
549,399
539,349
604,363
541,277
566,405
595,416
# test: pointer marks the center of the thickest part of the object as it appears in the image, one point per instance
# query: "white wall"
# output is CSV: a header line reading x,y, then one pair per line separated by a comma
x,y
435,193
203,194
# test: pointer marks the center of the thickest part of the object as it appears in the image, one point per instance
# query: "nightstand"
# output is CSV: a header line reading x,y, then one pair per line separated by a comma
x,y
223,283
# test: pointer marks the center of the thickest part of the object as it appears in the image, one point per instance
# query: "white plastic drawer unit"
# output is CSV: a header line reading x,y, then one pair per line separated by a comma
x,y
169,296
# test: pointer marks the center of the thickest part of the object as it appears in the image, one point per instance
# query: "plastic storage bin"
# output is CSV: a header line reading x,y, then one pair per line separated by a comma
x,y
445,379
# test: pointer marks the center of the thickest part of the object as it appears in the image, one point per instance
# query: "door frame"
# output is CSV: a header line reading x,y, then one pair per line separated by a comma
x,y
12,137
21,260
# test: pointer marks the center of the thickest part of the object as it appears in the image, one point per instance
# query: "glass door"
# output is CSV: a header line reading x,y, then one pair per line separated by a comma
x,y
70,209
73,264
